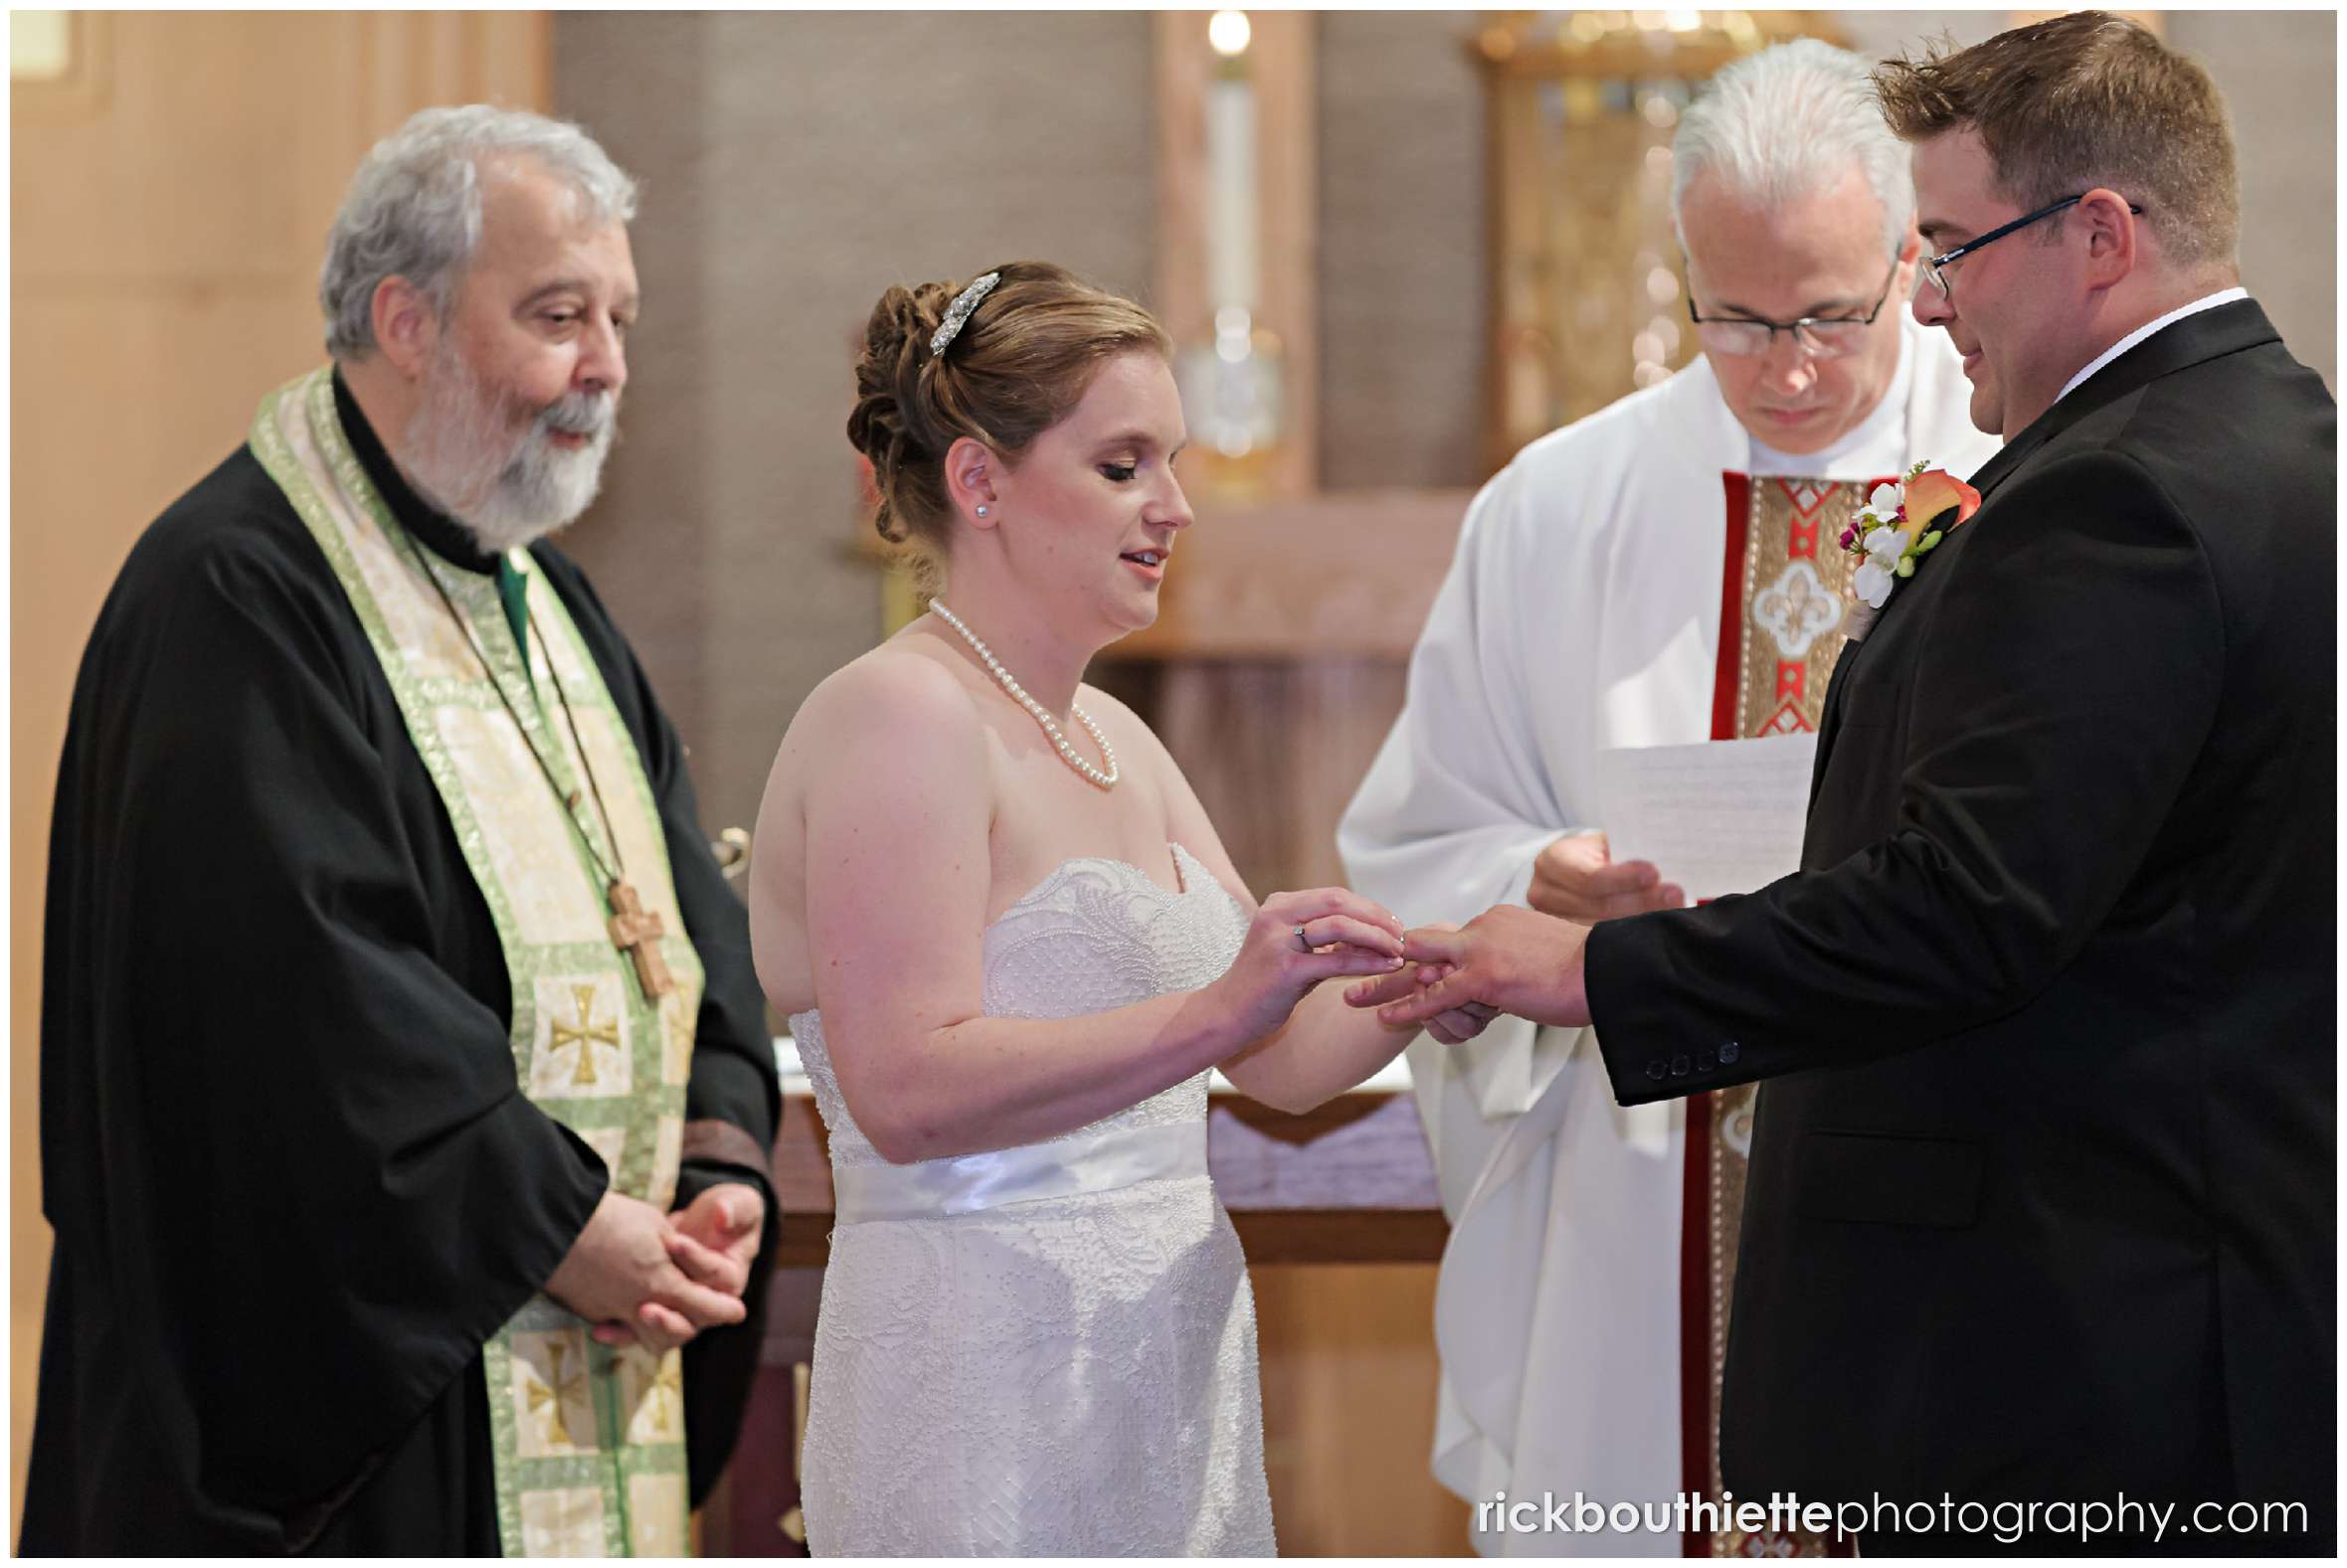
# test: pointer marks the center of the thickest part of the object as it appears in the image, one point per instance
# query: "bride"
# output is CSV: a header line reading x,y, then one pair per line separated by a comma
x,y
1011,947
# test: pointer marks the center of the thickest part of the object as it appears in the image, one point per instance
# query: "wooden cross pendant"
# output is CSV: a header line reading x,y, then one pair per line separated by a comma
x,y
636,932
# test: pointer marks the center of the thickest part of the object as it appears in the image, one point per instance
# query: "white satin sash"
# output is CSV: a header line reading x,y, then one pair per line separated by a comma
x,y
964,1183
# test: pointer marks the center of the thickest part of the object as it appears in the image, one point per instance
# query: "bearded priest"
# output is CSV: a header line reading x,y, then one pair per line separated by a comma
x,y
1663,572
406,1088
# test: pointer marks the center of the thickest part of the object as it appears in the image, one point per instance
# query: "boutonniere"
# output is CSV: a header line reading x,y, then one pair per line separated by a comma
x,y
1900,525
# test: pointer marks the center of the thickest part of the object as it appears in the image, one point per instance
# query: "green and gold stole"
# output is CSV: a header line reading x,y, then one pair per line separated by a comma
x,y
590,1442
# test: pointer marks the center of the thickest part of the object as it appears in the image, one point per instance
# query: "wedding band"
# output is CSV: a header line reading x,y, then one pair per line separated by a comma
x,y
1301,941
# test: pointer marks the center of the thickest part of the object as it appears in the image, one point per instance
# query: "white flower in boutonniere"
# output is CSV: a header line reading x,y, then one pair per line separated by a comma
x,y
1900,525
1884,550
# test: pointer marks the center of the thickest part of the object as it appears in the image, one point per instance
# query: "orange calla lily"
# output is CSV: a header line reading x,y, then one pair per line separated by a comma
x,y
1933,492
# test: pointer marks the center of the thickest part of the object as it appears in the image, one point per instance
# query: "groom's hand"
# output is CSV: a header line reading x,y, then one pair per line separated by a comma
x,y
1508,957
1454,1027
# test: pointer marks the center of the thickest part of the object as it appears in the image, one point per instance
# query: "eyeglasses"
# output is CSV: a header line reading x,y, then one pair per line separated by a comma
x,y
1934,267
1825,337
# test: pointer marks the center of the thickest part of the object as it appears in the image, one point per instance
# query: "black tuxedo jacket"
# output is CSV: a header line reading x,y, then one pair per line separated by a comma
x,y
2041,1200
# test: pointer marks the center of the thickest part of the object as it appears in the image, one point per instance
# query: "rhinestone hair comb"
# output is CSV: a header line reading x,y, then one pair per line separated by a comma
x,y
957,313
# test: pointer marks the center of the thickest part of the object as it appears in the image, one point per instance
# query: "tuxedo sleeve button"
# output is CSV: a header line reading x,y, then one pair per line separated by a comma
x,y
1655,1069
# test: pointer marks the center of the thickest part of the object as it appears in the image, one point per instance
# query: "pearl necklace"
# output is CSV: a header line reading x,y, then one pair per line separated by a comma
x,y
1042,715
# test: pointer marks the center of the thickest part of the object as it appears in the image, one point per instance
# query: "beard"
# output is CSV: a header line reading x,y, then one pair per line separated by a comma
x,y
508,490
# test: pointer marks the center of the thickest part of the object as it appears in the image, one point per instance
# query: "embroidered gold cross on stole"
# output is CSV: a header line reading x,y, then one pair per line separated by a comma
x,y
586,1034
548,1393
637,931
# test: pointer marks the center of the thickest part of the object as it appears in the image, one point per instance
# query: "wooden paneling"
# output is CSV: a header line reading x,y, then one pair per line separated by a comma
x,y
1287,194
169,203
1349,1393
1181,65
1329,576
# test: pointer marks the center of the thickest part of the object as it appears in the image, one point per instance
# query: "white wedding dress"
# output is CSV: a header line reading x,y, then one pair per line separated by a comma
x,y
1047,1350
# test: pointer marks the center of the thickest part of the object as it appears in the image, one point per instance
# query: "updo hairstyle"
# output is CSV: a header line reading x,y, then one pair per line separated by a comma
x,y
1021,363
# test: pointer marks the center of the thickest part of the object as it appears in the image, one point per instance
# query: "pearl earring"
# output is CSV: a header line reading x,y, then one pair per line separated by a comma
x,y
981,511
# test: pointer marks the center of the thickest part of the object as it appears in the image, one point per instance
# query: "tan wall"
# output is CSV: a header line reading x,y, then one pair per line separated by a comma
x,y
790,173
168,212
794,166
1402,285
1402,210
2279,71
2279,81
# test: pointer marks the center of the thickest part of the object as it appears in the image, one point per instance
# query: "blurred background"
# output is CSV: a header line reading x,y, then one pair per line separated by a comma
x,y
1392,246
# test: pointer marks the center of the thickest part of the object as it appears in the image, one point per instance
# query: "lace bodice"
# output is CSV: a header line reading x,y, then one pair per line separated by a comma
x,y
1093,936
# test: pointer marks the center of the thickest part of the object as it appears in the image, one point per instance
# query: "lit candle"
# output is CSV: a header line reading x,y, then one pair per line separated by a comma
x,y
1230,169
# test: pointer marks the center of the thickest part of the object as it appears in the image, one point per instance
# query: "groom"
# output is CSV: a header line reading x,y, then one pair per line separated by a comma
x,y
2041,1197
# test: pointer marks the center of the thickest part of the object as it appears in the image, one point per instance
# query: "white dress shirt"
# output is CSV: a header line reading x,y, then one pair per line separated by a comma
x,y
2223,296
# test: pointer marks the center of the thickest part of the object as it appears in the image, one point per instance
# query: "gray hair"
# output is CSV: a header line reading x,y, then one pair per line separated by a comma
x,y
1789,120
413,210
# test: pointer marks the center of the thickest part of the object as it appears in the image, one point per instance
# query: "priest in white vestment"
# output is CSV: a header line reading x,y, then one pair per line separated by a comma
x,y
1661,573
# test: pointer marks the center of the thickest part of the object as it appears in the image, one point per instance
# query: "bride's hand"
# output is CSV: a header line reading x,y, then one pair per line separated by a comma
x,y
1343,935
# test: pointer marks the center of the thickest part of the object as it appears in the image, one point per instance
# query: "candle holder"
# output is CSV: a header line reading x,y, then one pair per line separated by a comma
x,y
1580,109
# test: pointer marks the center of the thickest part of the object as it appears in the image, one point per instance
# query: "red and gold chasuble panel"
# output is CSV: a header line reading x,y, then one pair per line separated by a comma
x,y
1783,586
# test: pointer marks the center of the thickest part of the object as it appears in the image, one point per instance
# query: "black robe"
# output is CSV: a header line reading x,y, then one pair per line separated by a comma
x,y
293,1180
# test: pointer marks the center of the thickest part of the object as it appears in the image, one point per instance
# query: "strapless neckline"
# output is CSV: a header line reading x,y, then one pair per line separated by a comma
x,y
1194,878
